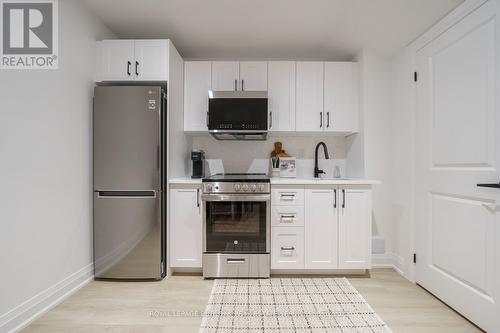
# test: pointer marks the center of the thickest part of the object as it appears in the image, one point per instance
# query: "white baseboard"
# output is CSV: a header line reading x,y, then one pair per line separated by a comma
x,y
388,260
25,313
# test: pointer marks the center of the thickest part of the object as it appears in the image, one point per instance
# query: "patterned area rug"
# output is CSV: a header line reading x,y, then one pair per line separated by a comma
x,y
289,305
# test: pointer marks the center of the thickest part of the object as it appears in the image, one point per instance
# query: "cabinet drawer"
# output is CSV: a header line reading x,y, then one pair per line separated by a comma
x,y
287,197
287,248
287,216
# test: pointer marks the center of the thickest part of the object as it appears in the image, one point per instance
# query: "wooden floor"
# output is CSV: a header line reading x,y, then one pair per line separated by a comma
x,y
175,305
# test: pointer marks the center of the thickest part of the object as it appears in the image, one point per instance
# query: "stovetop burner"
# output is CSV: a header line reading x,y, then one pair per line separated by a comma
x,y
238,177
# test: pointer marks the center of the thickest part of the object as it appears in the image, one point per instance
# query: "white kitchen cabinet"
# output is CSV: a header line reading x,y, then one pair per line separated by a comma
x,y
133,60
253,76
287,248
287,196
287,216
341,97
309,96
185,228
321,237
151,60
281,95
117,60
225,75
354,227
197,83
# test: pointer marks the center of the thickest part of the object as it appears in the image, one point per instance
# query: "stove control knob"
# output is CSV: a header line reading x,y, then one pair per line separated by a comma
x,y
261,187
237,187
253,188
244,187
209,188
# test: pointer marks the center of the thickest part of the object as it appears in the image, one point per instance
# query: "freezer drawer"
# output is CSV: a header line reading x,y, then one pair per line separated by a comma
x,y
128,235
127,136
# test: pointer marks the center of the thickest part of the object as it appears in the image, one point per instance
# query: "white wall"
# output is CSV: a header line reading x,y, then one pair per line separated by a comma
x,y
403,157
373,146
45,172
253,156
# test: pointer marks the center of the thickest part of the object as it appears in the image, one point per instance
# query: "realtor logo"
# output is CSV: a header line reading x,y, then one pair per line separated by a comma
x,y
29,34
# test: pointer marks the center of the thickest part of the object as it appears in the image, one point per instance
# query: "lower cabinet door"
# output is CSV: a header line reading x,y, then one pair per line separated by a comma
x,y
354,228
185,228
321,228
287,248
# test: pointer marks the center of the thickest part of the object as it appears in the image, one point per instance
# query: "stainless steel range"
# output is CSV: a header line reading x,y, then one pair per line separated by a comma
x,y
236,230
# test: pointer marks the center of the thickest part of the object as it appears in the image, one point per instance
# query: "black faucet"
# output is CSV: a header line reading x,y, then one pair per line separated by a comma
x,y
316,170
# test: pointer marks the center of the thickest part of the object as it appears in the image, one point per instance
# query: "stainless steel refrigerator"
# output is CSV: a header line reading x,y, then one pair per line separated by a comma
x,y
129,182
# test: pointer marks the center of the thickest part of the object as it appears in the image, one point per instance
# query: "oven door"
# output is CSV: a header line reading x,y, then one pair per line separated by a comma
x,y
236,223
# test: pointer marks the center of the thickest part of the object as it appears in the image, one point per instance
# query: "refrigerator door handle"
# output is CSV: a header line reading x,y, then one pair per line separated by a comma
x,y
127,194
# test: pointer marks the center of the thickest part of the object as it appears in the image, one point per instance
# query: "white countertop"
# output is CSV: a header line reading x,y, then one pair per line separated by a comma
x,y
295,181
184,181
325,181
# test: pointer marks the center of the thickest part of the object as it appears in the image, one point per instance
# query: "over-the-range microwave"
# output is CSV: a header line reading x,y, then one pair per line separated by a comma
x,y
238,115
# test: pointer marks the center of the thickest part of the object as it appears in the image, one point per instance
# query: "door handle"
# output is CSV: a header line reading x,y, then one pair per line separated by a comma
x,y
242,85
327,119
335,198
235,85
321,120
207,119
270,119
137,68
489,185
343,198
197,197
128,67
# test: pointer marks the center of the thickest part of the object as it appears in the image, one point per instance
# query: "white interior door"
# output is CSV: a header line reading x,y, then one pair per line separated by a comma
x,y
458,146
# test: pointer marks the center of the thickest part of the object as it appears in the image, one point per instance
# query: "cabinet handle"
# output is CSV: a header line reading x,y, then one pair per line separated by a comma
x,y
137,68
197,197
287,217
327,119
287,248
335,198
270,119
321,120
235,85
242,85
207,119
128,67
287,197
343,198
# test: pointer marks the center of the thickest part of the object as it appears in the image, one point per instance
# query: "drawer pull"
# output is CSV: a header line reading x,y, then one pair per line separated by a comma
x,y
235,261
287,248
287,197
287,218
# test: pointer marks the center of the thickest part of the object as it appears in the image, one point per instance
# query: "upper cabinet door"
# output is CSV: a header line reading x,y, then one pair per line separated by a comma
x,y
151,60
281,95
309,107
253,75
340,97
225,75
320,228
197,83
354,228
117,60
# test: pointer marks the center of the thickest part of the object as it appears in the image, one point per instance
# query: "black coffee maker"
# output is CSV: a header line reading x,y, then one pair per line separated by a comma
x,y
198,158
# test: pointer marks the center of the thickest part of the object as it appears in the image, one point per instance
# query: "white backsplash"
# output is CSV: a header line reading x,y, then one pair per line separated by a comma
x,y
254,156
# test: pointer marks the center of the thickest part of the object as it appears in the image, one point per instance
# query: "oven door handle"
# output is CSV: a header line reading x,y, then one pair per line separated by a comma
x,y
236,197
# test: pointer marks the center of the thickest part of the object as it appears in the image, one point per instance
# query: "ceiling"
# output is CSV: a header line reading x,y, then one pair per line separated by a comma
x,y
274,29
